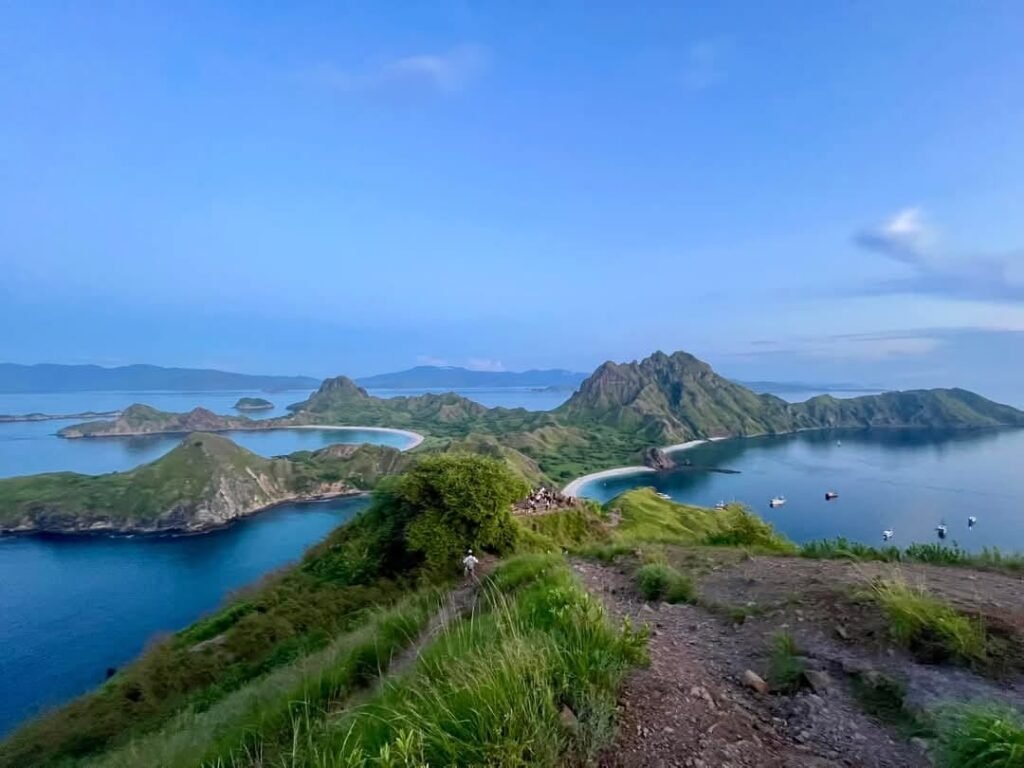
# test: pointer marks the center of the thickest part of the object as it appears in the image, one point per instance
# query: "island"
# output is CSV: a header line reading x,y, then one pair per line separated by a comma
x,y
206,482
253,404
17,417
618,413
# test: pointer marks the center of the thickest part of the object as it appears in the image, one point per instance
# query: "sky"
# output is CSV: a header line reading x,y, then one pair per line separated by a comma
x,y
789,190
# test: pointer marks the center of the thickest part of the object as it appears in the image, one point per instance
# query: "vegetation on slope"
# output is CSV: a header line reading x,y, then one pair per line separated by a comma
x,y
205,481
368,563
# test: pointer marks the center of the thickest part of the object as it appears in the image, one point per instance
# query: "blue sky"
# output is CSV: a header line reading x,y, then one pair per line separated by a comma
x,y
788,190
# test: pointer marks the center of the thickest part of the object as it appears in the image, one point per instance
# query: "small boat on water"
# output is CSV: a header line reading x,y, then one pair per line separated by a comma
x,y
887,534
664,496
831,495
720,506
777,501
972,521
941,530
838,443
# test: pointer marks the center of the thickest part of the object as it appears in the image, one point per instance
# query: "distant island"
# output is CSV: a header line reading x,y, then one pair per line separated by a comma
x,y
451,377
11,418
618,413
46,377
206,482
253,404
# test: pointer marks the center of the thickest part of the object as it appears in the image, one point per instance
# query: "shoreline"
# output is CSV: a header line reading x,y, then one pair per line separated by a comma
x,y
173,533
415,437
572,488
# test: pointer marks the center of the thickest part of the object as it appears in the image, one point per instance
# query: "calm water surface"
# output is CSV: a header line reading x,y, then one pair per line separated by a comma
x,y
71,607
907,480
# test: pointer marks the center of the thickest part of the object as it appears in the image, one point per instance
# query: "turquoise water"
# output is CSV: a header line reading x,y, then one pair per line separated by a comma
x,y
907,480
71,607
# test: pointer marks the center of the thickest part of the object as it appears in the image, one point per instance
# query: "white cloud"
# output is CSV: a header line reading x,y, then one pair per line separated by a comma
x,y
484,364
445,72
907,238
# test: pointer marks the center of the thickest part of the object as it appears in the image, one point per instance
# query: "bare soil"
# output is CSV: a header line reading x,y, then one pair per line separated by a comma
x,y
692,708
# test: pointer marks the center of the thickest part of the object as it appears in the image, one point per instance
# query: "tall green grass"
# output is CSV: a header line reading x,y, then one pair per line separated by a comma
x,y
981,736
785,667
260,715
531,680
933,554
930,628
658,581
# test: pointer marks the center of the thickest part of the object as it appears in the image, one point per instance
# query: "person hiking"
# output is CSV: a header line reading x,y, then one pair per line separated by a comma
x,y
469,564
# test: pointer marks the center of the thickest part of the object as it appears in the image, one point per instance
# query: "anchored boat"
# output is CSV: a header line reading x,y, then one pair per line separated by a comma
x,y
777,501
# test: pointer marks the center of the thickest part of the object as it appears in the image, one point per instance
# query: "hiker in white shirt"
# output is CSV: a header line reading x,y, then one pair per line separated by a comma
x,y
469,563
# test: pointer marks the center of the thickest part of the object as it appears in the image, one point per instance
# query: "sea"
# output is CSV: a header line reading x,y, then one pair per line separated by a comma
x,y
72,607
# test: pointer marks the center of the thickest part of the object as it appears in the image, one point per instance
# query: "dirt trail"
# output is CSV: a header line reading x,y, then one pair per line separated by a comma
x,y
690,707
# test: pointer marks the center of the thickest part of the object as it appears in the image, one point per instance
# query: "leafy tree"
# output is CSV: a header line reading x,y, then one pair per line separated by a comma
x,y
459,501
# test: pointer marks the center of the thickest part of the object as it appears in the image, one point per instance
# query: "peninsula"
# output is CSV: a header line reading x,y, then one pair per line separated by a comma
x,y
619,412
206,482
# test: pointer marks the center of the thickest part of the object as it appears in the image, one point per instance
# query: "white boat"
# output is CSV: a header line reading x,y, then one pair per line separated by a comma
x,y
777,501
887,534
664,496
720,505
941,530
971,521
838,443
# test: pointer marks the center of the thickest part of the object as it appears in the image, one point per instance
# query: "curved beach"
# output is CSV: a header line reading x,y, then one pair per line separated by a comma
x,y
415,437
573,488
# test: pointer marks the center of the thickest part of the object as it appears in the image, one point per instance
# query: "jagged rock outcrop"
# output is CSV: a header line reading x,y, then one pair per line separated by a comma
x,y
657,459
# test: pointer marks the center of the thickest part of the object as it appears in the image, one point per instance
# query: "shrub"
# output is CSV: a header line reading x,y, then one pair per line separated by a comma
x,y
785,667
931,629
981,736
658,581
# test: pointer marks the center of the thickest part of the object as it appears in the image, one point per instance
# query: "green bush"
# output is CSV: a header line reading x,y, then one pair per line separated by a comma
x,y
785,667
931,629
981,736
658,581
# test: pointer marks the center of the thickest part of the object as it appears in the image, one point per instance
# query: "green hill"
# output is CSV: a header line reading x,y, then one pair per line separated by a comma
x,y
672,398
205,482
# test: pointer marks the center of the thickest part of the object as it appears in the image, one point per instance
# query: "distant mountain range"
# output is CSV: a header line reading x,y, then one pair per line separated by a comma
x,y
451,377
47,377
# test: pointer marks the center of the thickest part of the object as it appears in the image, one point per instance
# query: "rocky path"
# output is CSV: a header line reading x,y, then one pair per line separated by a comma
x,y
691,707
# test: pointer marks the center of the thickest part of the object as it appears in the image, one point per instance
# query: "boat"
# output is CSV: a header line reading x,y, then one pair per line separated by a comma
x,y
941,530
720,505
664,496
838,443
971,521
777,501
887,534
831,495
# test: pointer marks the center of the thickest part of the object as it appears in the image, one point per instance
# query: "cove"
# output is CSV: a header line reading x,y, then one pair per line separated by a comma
x,y
73,606
907,480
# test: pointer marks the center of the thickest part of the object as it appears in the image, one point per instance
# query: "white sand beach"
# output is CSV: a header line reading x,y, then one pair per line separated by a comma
x,y
415,437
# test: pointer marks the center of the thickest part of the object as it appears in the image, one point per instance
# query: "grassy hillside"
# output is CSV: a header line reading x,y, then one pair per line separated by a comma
x,y
206,480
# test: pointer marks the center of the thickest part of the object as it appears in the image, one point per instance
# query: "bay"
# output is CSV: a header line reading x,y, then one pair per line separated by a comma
x,y
905,480
70,607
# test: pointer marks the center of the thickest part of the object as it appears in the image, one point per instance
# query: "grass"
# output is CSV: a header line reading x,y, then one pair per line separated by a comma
x,y
785,667
494,689
647,518
931,629
268,705
658,581
981,736
989,558
882,697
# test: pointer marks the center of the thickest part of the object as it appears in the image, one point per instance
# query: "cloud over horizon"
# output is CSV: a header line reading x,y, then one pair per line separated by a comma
x,y
907,238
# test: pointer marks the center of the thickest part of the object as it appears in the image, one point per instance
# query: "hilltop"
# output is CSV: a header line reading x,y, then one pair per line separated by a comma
x,y
203,483
137,378
619,411
673,398
441,377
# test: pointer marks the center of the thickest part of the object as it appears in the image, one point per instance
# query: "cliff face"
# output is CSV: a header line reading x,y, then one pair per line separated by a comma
x,y
667,398
204,483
